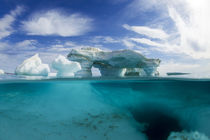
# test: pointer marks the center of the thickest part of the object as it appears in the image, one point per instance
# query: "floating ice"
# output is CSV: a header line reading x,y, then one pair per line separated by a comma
x,y
33,66
187,136
114,63
65,67
1,72
52,74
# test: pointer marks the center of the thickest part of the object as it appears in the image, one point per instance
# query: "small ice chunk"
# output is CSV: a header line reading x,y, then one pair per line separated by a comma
x,y
187,136
1,72
33,67
65,67
52,74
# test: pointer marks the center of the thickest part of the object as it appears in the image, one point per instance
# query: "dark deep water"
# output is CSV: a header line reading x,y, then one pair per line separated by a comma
x,y
147,109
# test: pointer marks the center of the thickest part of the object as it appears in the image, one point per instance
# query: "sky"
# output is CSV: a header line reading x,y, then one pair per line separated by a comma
x,y
175,31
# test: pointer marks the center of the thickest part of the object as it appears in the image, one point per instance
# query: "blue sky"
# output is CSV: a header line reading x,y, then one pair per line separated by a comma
x,y
176,31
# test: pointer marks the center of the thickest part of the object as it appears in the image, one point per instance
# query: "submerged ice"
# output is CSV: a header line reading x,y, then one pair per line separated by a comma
x,y
105,110
164,106
187,136
61,111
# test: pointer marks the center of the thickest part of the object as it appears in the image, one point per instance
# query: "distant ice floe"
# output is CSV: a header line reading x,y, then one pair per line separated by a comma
x,y
1,72
33,66
65,67
187,136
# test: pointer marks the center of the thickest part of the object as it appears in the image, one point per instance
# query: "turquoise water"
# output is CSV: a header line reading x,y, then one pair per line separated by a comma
x,y
97,109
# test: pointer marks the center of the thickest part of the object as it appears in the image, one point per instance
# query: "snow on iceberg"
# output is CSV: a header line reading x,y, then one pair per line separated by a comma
x,y
1,72
65,67
33,67
187,136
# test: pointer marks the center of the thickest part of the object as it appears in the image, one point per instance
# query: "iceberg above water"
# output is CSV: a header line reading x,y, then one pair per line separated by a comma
x,y
176,73
1,72
113,63
64,67
33,66
79,63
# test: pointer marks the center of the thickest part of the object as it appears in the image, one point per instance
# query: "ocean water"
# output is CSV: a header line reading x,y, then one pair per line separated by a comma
x,y
103,109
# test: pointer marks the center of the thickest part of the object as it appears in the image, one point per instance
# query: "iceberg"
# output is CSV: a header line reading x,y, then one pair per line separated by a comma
x,y
113,63
33,66
136,72
187,136
1,72
176,73
64,67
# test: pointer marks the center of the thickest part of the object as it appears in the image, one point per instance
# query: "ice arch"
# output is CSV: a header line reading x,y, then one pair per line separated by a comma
x,y
113,63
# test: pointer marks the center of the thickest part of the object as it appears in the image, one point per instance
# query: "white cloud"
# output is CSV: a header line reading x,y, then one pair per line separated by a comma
x,y
187,44
150,32
172,66
15,53
104,39
142,5
19,47
12,54
22,46
7,21
70,44
164,47
26,45
193,25
191,30
147,42
128,43
3,46
57,23
58,48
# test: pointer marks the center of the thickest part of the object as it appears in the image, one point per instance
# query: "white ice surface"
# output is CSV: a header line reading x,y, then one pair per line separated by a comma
x,y
64,67
33,66
1,72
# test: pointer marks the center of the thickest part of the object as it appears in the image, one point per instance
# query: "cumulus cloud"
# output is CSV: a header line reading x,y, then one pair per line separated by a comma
x,y
150,32
56,23
7,21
